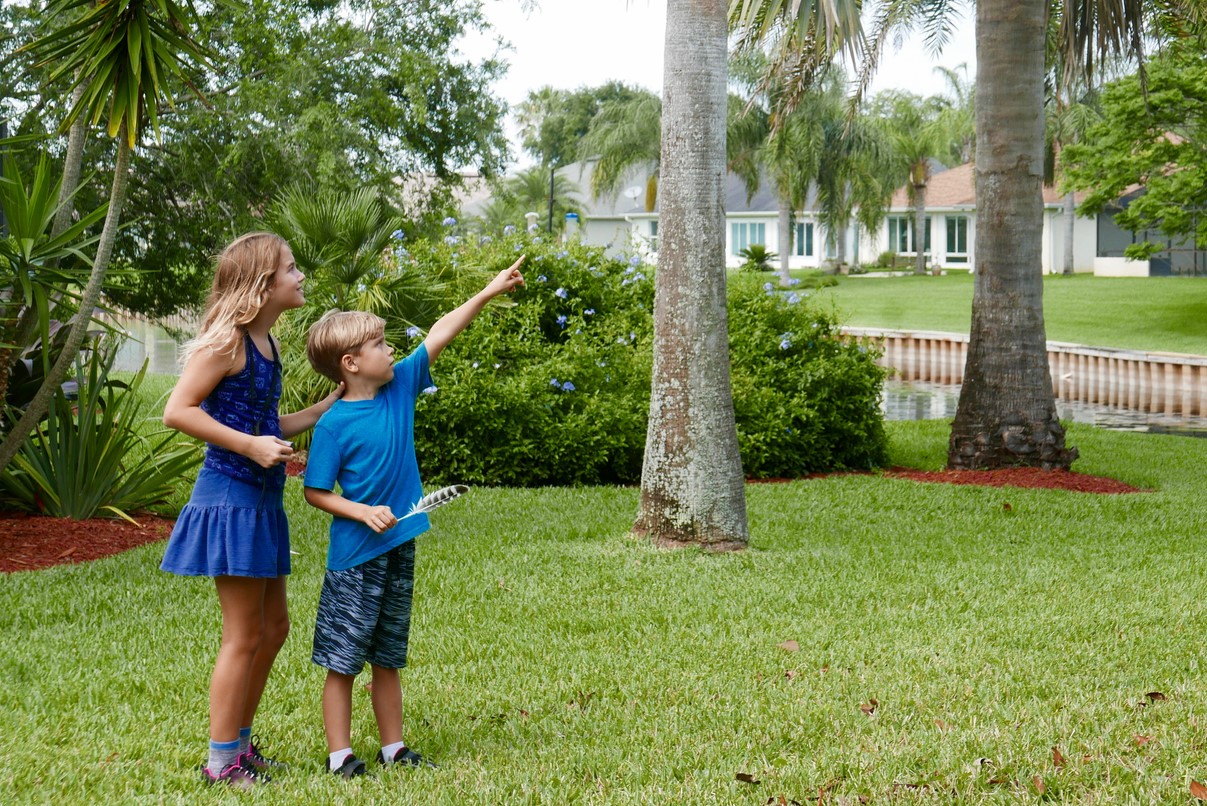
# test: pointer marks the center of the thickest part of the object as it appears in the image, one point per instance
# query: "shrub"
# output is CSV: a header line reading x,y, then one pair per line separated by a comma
x,y
804,399
887,260
91,458
552,384
757,258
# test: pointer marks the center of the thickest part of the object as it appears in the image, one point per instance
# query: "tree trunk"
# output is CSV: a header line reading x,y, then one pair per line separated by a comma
x,y
692,486
88,302
920,228
1007,411
785,240
1070,221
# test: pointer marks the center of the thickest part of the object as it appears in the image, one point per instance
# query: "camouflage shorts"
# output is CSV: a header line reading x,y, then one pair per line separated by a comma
x,y
364,613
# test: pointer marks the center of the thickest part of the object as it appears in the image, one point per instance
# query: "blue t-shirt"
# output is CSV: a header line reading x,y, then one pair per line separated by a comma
x,y
368,447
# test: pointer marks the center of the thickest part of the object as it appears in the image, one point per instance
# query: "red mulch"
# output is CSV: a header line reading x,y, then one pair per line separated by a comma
x,y
29,542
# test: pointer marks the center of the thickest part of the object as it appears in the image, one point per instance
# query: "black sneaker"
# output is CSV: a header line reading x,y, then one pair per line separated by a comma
x,y
352,767
236,776
253,758
405,756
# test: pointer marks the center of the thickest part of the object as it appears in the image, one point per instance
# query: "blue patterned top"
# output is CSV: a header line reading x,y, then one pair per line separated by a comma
x,y
247,402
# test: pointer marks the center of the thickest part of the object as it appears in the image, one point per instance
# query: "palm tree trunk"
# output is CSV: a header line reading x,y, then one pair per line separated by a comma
x,y
920,228
1007,411
785,240
88,302
692,486
1070,221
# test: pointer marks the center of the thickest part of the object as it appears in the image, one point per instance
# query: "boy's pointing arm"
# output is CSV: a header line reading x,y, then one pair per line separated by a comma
x,y
456,320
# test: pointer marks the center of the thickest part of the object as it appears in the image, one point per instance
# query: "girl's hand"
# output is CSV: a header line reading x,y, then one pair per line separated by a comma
x,y
267,451
507,279
379,519
335,395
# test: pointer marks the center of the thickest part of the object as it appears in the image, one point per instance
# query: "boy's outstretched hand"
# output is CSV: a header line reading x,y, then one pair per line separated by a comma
x,y
507,279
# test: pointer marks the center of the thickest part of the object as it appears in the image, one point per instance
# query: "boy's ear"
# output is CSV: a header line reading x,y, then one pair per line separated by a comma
x,y
347,362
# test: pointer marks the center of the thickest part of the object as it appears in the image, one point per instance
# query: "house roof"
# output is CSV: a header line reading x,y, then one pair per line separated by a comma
x,y
956,187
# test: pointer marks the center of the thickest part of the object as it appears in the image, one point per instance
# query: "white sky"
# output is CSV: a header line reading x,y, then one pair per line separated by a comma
x,y
571,44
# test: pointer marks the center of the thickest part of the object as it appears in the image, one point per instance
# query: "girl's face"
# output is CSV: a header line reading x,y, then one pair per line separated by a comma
x,y
287,282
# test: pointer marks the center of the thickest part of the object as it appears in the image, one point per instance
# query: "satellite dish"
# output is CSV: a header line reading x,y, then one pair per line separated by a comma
x,y
634,193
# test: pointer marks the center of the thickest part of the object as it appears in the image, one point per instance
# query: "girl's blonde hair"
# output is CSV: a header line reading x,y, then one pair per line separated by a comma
x,y
243,278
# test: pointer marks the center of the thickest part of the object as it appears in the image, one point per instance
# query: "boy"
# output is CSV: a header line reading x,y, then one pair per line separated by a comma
x,y
365,443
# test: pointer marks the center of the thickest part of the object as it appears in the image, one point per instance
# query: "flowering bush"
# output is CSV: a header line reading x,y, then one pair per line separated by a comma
x,y
551,385
804,399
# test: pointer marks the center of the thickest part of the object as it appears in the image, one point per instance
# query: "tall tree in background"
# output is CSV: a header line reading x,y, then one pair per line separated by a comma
x,y
625,135
120,57
692,485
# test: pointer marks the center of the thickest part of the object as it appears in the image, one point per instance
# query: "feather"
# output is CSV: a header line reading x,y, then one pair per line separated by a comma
x,y
437,499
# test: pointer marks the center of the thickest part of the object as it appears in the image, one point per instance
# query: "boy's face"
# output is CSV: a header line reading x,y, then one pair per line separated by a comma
x,y
374,361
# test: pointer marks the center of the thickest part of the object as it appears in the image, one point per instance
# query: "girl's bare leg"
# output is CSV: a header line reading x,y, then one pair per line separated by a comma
x,y
275,631
242,602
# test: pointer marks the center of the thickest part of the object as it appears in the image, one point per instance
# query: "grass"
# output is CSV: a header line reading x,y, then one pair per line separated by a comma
x,y
556,659
1162,313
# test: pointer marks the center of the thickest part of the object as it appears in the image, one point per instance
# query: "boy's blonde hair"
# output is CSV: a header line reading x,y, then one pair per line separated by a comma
x,y
243,278
337,334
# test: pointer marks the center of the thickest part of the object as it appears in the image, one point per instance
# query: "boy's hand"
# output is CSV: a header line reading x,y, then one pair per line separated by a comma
x,y
267,450
507,279
379,519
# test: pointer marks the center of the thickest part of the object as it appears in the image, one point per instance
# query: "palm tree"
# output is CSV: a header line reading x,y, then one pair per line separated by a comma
x,y
691,480
119,56
914,127
624,135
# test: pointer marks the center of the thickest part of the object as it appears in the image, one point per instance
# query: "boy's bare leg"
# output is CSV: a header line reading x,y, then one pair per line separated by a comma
x,y
387,705
337,710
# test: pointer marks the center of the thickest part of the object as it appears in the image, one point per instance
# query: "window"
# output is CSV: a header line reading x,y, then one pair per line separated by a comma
x,y
901,234
653,236
745,235
803,246
957,239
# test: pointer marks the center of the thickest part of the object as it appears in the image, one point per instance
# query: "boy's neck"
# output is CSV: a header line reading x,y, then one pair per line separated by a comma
x,y
359,389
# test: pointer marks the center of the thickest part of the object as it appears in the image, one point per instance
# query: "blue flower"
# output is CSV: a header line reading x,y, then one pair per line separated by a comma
x,y
542,278
561,320
630,270
567,387
601,363
475,365
533,227
485,239
398,235
563,253
768,287
589,312
792,298
793,281
431,390
635,261
537,239
785,344
561,292
555,382
452,240
450,222
509,229
412,332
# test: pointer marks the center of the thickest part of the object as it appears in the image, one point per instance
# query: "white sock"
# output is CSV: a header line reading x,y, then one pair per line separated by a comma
x,y
390,750
337,759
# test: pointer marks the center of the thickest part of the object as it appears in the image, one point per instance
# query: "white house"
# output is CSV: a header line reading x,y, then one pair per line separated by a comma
x,y
621,223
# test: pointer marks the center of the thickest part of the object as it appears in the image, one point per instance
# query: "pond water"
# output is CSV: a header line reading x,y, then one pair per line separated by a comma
x,y
936,401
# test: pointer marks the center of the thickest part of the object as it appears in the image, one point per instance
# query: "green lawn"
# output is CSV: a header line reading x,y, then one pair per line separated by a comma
x,y
556,659
1152,313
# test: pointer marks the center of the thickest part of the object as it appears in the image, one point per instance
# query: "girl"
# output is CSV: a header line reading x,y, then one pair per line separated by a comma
x,y
233,528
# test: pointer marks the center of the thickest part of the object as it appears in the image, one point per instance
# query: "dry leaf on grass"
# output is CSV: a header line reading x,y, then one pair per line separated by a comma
x,y
1197,790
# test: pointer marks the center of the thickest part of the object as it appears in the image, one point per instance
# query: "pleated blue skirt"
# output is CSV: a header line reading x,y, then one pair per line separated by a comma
x,y
230,528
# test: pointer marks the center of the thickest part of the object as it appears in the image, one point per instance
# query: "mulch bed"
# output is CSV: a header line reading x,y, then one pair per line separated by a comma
x,y
30,542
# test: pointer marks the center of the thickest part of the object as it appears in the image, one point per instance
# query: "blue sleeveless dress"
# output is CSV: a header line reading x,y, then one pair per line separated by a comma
x,y
234,523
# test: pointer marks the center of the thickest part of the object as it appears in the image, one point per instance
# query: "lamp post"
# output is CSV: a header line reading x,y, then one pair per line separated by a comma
x,y
552,173
3,151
